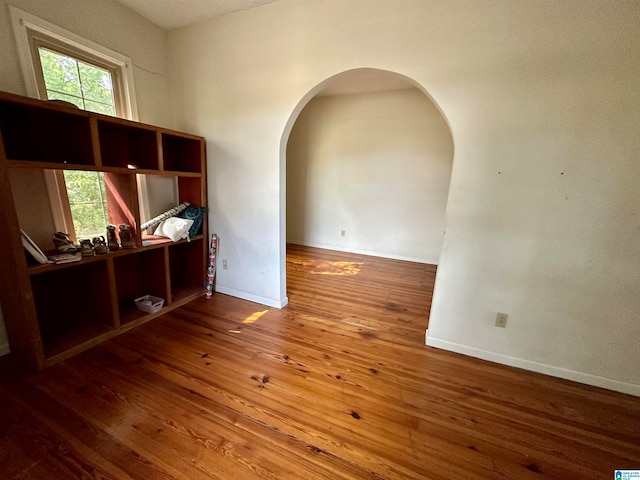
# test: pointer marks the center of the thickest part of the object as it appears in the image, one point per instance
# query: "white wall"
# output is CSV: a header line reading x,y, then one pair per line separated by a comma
x,y
544,107
109,24
162,195
31,199
377,165
112,25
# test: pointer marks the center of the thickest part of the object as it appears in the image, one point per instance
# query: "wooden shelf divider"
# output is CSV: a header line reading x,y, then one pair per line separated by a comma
x,y
55,311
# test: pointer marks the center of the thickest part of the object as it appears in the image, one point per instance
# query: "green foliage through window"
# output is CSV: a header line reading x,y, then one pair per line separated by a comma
x,y
90,88
87,86
88,202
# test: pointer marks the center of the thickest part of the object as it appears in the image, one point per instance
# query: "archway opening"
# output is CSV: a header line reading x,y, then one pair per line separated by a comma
x,y
366,159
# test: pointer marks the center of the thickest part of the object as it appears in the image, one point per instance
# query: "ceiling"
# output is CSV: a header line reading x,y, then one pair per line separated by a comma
x,y
170,14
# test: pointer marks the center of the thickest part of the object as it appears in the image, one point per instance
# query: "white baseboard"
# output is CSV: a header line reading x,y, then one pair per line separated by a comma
x,y
4,349
269,302
586,378
361,252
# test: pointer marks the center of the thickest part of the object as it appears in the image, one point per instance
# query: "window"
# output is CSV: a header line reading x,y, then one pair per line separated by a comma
x,y
87,202
41,43
60,65
87,86
91,88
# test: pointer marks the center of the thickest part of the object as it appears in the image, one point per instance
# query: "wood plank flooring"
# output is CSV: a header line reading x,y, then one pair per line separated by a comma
x,y
337,385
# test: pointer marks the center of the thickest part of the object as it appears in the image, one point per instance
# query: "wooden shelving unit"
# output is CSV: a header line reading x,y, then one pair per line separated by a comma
x,y
55,311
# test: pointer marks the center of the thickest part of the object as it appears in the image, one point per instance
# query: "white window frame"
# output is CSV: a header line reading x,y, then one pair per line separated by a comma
x,y
32,32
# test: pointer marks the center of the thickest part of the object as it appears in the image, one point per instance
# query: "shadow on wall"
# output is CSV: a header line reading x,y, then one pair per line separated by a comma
x,y
368,166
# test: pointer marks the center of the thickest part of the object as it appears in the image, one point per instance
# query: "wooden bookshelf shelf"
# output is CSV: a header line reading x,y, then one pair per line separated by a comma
x,y
55,311
128,146
72,305
32,134
180,153
182,258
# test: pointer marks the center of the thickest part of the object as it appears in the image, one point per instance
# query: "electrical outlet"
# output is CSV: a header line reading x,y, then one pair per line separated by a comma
x,y
225,265
501,320
343,233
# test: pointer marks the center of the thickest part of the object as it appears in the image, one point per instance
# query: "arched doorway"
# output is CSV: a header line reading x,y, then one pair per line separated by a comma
x,y
372,174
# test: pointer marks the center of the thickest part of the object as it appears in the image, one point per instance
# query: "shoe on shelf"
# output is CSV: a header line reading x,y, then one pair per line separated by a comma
x,y
100,245
126,236
112,238
64,244
86,247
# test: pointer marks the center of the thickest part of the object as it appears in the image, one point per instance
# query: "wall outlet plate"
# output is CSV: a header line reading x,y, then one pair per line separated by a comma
x,y
501,320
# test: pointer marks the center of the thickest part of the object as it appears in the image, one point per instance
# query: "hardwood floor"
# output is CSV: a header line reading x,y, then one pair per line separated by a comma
x,y
337,385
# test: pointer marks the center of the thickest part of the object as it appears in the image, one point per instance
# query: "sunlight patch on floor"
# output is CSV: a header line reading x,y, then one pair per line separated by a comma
x,y
254,316
337,268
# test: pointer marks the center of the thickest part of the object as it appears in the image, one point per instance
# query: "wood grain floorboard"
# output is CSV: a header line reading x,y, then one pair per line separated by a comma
x,y
337,385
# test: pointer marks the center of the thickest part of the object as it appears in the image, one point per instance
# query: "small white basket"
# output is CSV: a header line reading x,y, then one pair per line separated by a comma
x,y
149,303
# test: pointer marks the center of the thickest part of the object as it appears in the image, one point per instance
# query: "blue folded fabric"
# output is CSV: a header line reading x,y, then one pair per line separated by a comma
x,y
197,215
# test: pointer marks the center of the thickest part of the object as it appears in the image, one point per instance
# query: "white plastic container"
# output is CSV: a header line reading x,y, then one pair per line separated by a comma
x,y
149,303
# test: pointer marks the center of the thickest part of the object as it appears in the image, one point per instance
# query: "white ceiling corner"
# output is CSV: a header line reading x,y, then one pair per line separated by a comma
x,y
170,14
